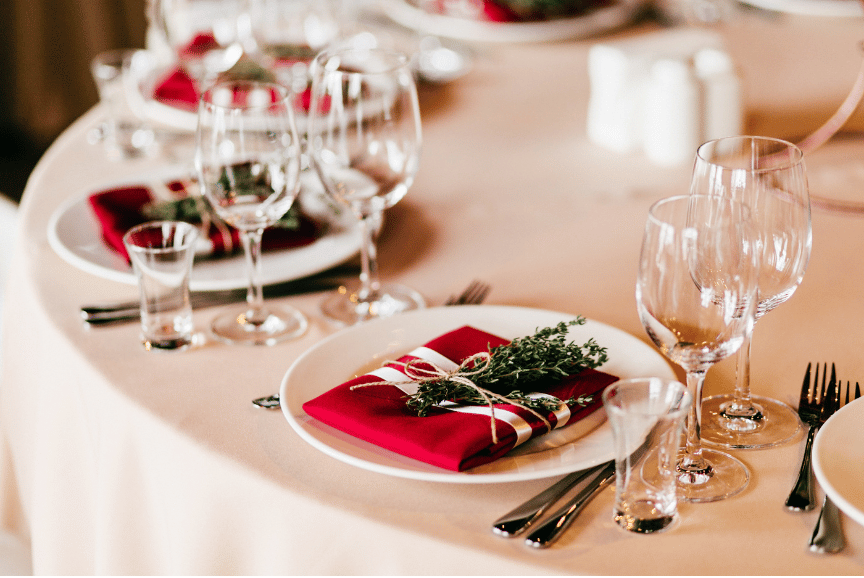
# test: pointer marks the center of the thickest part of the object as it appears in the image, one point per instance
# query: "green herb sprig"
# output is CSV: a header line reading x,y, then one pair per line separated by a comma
x,y
514,367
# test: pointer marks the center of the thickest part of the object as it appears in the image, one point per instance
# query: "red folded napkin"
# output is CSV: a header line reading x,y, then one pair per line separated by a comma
x,y
454,437
118,210
177,89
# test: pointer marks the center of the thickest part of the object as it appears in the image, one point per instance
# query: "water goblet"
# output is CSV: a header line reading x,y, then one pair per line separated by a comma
x,y
695,294
364,142
248,162
207,36
769,176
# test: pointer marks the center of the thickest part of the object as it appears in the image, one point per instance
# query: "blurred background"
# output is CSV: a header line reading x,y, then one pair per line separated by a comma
x,y
44,66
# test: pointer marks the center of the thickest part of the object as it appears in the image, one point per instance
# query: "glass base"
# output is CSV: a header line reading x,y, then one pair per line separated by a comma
x,y
268,326
347,308
725,478
775,423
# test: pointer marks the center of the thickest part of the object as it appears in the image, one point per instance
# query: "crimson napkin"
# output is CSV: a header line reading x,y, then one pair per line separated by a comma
x,y
120,209
452,437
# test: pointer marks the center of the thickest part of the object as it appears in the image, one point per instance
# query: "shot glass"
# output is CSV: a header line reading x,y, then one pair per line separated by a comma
x,y
124,135
161,253
647,418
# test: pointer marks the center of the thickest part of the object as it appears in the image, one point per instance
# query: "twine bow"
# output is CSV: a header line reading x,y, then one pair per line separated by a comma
x,y
429,372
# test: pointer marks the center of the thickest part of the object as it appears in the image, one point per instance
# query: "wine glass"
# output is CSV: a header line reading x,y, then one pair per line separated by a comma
x,y
247,157
695,294
207,36
290,33
364,143
768,175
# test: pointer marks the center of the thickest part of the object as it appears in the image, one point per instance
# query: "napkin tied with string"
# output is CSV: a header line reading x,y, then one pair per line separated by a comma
x,y
120,209
454,437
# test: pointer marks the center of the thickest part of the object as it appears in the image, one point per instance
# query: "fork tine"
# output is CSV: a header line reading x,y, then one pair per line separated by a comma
x,y
857,390
847,393
806,387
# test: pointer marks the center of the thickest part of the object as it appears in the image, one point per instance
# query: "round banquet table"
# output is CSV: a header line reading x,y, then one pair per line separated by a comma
x,y
120,461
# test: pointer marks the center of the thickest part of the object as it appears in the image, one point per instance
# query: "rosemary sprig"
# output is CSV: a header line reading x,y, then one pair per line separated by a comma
x,y
513,367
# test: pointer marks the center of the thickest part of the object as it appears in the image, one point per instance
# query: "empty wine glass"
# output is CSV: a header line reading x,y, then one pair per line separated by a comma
x,y
248,162
695,294
769,176
290,33
207,36
364,143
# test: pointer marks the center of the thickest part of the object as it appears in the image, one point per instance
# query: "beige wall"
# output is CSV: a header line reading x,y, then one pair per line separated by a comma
x,y
45,53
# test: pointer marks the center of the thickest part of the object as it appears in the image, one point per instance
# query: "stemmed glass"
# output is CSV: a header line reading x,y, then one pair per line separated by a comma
x,y
695,294
290,33
768,175
207,36
248,161
364,143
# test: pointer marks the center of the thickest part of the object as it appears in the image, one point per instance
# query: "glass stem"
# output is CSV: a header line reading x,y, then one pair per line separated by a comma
x,y
370,284
692,467
742,408
254,293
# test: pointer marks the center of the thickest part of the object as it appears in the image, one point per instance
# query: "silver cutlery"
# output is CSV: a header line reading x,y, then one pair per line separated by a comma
x,y
828,535
814,408
474,294
107,314
523,516
549,531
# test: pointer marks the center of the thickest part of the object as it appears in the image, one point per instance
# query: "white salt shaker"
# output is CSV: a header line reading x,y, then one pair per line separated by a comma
x,y
722,113
672,114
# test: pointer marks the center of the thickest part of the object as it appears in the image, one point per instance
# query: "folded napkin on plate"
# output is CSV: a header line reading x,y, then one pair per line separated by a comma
x,y
177,89
120,209
455,437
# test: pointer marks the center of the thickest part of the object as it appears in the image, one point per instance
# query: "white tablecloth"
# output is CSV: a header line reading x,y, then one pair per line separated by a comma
x,y
119,461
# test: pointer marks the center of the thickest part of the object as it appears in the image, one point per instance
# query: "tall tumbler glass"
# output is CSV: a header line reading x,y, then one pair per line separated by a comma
x,y
768,175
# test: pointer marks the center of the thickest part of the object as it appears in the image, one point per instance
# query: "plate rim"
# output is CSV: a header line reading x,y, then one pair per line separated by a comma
x,y
441,474
819,469
602,19
352,247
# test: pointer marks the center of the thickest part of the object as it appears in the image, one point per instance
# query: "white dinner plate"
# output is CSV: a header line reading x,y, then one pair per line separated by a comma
x,y
599,20
75,235
838,459
360,348
831,8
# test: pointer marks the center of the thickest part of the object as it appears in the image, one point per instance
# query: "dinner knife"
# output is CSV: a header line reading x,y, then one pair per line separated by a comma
x,y
521,517
548,532
99,315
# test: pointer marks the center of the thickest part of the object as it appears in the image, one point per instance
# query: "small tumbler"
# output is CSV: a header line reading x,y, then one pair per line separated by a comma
x,y
647,417
124,134
161,253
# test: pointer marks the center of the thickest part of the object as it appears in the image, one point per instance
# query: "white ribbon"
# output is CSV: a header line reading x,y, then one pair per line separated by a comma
x,y
412,376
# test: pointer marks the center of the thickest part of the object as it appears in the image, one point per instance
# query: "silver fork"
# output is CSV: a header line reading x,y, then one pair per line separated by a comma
x,y
813,411
474,294
828,535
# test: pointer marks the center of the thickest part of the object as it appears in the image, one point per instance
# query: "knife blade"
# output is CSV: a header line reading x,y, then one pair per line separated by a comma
x,y
99,315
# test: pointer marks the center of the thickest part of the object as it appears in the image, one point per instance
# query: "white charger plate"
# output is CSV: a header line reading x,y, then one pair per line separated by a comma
x,y
829,8
75,235
838,459
602,19
357,349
